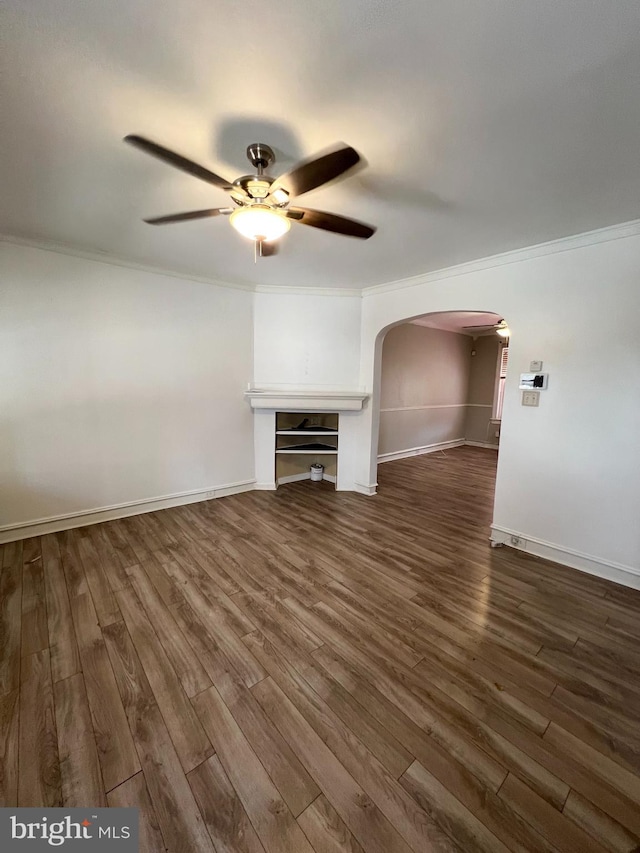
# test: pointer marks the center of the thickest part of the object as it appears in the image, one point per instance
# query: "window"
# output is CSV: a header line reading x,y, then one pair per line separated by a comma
x,y
503,358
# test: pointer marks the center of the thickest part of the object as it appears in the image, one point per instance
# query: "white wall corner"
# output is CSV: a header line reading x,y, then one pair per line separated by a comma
x,y
624,575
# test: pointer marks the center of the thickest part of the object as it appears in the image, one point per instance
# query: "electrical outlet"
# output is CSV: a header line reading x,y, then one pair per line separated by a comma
x,y
209,495
516,541
530,398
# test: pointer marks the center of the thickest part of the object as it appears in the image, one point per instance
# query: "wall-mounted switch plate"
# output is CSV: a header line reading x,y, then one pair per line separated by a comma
x,y
535,366
530,398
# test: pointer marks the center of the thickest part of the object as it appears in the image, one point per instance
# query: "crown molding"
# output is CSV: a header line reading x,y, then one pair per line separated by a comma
x,y
514,256
308,291
116,261
563,244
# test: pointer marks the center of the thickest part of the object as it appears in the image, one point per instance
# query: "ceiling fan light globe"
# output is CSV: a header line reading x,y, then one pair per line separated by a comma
x,y
259,222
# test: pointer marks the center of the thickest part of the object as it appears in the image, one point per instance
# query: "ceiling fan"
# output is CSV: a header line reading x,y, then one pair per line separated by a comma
x,y
501,328
262,210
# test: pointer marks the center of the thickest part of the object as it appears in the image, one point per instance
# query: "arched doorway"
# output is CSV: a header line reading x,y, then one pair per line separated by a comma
x,y
441,383
368,481
441,377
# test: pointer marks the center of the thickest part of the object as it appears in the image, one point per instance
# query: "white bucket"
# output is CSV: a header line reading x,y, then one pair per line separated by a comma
x,y
317,471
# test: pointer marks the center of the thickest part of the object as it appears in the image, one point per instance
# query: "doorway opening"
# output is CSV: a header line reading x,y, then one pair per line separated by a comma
x,y
442,383
441,397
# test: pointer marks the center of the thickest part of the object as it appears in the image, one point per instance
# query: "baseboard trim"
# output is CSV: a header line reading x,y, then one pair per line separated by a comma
x,y
418,451
363,489
616,572
486,444
306,475
423,408
11,533
294,478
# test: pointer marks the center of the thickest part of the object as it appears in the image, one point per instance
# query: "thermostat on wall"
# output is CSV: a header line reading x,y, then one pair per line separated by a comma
x,y
533,381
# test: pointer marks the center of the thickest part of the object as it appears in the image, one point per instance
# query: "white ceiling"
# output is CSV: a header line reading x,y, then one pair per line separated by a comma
x,y
487,125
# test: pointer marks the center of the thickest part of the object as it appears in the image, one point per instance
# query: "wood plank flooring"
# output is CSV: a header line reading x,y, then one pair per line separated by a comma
x,y
310,671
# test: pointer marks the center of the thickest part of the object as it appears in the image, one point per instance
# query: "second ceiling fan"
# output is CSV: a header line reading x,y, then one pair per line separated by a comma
x,y
262,210
500,328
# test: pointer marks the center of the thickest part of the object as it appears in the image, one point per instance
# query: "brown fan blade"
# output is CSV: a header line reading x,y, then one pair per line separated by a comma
x,y
487,325
331,222
479,328
191,214
178,161
314,172
268,249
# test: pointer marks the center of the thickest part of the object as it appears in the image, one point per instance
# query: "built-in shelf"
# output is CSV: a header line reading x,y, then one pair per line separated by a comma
x,y
288,418
308,447
330,451
303,439
318,431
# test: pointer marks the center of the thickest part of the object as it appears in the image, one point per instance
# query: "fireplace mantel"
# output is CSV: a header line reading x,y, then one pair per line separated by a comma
x,y
306,400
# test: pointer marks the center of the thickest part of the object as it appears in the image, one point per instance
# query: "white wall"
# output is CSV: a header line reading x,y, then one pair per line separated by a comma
x,y
117,385
310,342
569,471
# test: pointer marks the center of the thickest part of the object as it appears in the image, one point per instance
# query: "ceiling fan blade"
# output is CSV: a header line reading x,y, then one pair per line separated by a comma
x,y
178,161
268,249
191,214
314,172
331,222
493,326
497,325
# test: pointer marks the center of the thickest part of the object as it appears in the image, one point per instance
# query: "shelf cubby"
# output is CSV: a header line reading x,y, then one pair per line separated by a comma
x,y
302,438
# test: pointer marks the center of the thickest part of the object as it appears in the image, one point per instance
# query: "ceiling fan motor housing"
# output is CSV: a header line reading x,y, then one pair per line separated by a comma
x,y
256,186
261,156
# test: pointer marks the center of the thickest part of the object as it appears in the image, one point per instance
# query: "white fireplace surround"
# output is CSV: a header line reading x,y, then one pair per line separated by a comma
x,y
267,402
306,401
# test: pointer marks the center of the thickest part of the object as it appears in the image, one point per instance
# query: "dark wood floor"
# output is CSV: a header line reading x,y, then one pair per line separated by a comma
x,y
309,671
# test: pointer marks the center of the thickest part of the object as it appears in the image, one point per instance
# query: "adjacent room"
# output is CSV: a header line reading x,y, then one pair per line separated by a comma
x,y
319,443
442,384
